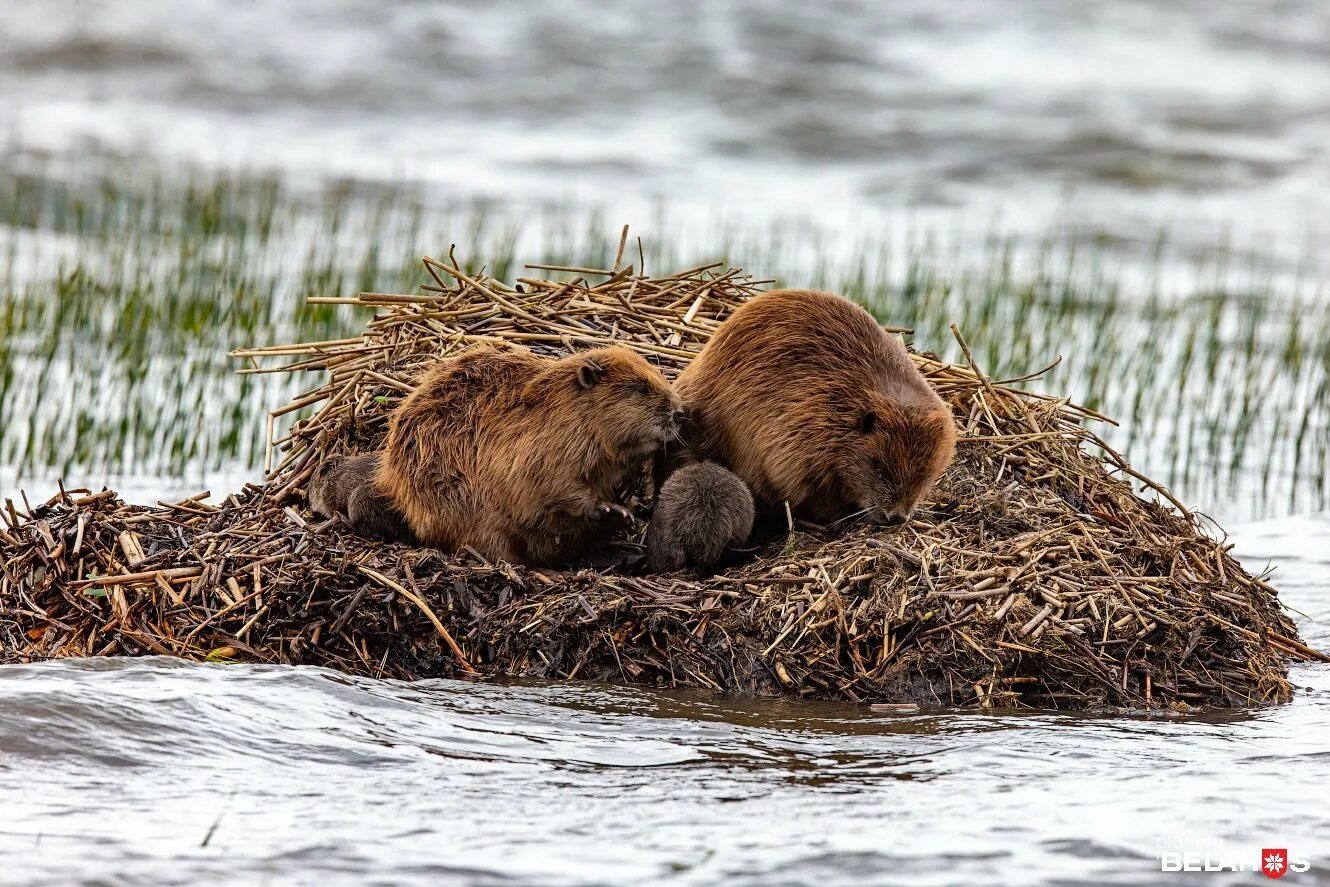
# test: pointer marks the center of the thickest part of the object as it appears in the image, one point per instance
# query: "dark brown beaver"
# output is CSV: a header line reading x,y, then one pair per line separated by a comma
x,y
702,510
805,397
344,488
523,458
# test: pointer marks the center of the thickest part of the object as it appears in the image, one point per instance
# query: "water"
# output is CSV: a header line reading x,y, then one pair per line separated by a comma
x,y
154,771
838,146
1120,115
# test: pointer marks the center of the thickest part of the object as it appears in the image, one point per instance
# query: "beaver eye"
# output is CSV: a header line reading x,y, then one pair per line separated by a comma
x,y
642,388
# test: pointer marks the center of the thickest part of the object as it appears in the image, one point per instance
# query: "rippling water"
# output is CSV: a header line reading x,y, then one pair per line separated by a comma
x,y
155,771
1207,115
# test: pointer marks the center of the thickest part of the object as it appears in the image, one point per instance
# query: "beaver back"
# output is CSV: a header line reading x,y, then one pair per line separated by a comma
x,y
701,510
515,455
804,396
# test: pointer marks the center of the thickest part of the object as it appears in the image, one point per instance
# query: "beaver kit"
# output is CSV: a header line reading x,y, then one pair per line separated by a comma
x,y
1032,574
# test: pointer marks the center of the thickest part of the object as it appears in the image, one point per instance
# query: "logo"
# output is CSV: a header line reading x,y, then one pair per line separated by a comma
x,y
1206,854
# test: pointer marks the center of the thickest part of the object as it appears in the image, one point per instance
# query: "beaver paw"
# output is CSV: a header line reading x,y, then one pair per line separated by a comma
x,y
611,511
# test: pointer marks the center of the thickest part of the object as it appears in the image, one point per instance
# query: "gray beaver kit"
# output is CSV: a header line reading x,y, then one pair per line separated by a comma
x,y
809,401
701,510
342,487
520,457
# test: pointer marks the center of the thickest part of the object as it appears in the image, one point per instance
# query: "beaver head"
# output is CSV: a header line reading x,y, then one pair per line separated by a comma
x,y
628,400
895,454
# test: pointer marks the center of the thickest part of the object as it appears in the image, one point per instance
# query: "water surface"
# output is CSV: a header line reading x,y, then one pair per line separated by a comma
x,y
1212,115
155,771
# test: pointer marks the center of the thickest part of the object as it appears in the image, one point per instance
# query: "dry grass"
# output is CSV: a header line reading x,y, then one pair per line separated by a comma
x,y
1035,575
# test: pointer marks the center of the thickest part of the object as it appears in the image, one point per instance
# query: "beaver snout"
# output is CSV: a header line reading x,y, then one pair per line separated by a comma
x,y
671,418
668,423
886,513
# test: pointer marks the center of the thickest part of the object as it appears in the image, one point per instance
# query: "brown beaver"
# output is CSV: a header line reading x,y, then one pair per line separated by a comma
x,y
702,510
524,458
344,488
805,397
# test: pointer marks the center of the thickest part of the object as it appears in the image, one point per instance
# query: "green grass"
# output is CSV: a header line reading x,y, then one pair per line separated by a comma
x,y
122,289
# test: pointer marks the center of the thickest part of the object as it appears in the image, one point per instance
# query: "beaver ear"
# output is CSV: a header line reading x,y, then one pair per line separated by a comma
x,y
590,373
868,422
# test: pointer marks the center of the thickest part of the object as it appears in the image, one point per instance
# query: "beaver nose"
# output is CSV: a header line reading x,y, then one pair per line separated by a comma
x,y
680,415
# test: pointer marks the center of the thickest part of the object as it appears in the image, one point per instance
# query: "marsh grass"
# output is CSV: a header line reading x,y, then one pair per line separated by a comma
x,y
121,291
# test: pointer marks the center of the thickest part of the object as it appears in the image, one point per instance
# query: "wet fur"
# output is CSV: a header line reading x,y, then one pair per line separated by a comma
x,y
808,400
520,457
344,488
701,510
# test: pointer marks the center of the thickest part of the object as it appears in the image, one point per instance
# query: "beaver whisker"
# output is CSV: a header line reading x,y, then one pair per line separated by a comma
x,y
852,515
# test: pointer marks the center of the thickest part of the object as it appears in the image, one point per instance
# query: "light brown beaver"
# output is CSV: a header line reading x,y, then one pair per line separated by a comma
x,y
702,510
524,458
805,397
343,488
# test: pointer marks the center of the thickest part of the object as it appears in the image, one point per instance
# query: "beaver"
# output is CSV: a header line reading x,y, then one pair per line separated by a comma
x,y
701,510
809,401
524,458
344,488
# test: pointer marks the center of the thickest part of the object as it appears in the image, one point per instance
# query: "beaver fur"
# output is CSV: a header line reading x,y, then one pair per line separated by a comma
x,y
701,510
344,488
521,457
808,400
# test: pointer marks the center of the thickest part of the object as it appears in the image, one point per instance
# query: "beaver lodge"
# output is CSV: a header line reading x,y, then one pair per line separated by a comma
x,y
1035,574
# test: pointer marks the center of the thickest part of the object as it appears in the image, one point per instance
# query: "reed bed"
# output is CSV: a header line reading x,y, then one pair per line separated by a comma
x,y
1036,574
118,281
